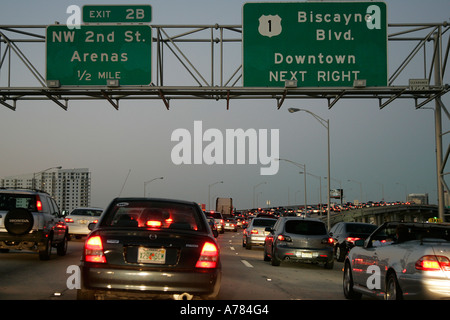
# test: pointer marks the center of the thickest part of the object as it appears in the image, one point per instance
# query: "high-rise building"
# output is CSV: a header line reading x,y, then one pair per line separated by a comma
x,y
71,188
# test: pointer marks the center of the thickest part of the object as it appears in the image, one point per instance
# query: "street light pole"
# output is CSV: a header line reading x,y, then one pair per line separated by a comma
x,y
209,193
147,182
301,166
254,188
326,125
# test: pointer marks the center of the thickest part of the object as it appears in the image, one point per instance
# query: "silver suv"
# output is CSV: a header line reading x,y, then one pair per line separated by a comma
x,y
31,220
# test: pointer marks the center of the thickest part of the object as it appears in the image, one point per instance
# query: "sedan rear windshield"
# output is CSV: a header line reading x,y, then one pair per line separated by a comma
x,y
154,215
86,212
263,222
305,227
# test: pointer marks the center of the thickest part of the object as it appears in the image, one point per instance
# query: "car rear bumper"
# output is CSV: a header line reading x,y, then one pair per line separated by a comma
x,y
76,229
132,282
27,241
302,254
256,240
419,287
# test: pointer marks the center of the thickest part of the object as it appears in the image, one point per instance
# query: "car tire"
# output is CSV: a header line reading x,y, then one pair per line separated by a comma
x,y
266,256
46,250
61,248
340,253
347,284
275,261
393,290
329,264
18,221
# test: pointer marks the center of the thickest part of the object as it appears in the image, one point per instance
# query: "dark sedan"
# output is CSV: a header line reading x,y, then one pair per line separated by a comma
x,y
346,233
144,247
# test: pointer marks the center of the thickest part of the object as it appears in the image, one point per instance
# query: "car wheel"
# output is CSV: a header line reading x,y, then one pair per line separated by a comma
x,y
61,248
347,283
266,256
340,253
46,250
275,261
329,264
393,291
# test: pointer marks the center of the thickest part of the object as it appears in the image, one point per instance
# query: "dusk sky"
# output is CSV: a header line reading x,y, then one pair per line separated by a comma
x,y
392,149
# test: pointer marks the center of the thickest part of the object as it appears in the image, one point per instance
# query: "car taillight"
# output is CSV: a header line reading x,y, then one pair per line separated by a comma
x,y
254,231
352,239
38,204
68,220
433,263
284,238
93,250
328,241
208,257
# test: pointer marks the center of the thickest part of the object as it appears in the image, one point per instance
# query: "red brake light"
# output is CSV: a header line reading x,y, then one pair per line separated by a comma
x,y
153,224
254,231
433,263
93,250
352,239
284,238
68,220
38,204
208,257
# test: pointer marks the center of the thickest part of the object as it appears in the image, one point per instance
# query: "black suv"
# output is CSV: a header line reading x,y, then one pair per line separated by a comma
x,y
31,220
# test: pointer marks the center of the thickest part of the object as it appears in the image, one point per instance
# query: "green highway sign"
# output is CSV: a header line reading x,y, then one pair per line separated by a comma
x,y
117,13
94,54
316,44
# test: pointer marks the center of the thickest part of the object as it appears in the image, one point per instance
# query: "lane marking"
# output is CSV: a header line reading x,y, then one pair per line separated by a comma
x,y
246,263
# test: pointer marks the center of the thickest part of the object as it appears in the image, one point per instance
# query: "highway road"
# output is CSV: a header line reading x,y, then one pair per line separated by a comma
x,y
245,275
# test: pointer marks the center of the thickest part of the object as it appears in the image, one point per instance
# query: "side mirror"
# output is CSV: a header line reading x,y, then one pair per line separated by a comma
x,y
359,243
215,233
91,226
269,229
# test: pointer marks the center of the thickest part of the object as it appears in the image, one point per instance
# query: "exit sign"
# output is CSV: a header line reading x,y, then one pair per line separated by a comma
x,y
117,13
316,44
94,54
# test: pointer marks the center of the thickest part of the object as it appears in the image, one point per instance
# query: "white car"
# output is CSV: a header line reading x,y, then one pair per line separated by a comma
x,y
400,260
79,219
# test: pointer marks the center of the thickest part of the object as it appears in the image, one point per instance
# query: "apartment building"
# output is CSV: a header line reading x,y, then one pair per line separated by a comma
x,y
71,188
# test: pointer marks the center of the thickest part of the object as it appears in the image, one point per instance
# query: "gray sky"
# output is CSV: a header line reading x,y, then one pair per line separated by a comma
x,y
393,147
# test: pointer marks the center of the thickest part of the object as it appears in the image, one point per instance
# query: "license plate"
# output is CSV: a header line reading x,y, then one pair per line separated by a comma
x,y
306,254
151,255
82,221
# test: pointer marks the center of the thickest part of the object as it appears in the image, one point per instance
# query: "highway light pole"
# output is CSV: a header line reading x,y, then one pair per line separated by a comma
x,y
326,125
209,193
254,188
301,166
147,182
